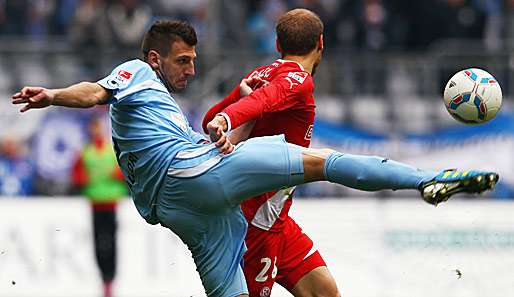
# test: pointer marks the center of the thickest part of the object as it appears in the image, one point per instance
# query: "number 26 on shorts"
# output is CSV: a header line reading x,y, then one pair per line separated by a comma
x,y
263,275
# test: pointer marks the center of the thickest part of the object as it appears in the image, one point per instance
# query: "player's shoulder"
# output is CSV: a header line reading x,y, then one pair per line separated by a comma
x,y
131,73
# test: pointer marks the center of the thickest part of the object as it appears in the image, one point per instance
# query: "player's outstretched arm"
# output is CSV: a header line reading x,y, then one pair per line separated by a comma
x,y
81,95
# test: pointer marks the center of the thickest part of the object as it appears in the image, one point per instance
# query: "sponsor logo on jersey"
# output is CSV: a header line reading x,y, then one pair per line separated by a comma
x,y
308,134
292,84
121,78
265,292
124,74
298,76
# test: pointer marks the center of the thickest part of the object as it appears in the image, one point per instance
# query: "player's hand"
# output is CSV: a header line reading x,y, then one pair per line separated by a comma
x,y
248,85
217,127
33,97
224,145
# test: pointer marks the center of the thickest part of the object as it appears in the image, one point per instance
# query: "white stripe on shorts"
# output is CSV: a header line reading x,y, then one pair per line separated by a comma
x,y
194,153
195,170
312,251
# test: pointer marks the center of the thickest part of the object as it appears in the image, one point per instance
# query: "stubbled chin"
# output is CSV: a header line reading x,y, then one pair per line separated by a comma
x,y
181,85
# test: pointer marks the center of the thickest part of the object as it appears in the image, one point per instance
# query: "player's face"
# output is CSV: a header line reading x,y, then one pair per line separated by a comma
x,y
179,65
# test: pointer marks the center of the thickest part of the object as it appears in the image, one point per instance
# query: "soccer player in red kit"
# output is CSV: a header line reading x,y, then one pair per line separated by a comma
x,y
278,250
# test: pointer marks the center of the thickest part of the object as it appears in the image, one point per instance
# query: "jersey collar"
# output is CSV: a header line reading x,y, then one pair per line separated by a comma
x,y
285,61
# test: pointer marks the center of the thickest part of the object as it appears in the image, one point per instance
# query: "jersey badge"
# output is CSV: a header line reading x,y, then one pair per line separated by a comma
x,y
121,78
298,76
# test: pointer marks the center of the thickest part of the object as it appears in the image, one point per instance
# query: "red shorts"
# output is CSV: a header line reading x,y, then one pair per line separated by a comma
x,y
282,257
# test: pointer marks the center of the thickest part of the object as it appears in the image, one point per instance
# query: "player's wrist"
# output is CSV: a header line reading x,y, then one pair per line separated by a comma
x,y
224,121
54,96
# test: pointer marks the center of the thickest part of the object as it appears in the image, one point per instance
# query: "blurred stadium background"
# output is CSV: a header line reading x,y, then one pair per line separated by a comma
x,y
378,91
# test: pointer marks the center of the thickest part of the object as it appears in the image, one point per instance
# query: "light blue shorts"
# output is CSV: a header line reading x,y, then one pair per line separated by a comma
x,y
200,199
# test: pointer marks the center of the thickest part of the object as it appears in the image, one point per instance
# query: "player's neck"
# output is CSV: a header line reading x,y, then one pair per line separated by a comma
x,y
306,61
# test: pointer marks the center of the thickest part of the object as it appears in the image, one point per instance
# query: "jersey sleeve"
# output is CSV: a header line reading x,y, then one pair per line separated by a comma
x,y
283,93
196,137
231,98
129,78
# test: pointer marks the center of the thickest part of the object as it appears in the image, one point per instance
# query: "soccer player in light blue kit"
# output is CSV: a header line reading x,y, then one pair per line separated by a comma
x,y
179,180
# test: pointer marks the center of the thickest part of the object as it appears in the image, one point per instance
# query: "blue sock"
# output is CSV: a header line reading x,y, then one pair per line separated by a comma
x,y
371,173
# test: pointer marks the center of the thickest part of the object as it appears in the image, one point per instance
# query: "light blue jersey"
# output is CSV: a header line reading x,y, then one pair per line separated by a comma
x,y
186,185
148,130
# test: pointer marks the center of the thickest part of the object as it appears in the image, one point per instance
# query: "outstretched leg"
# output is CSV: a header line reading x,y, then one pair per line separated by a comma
x,y
368,173
371,173
269,163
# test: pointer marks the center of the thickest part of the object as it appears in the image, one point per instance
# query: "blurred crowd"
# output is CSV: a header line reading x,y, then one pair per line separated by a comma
x,y
369,24
42,164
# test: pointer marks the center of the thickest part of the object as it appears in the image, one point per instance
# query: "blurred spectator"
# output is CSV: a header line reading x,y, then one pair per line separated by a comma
x,y
261,24
13,17
97,173
493,10
429,21
16,170
178,9
89,34
509,23
128,21
327,10
61,16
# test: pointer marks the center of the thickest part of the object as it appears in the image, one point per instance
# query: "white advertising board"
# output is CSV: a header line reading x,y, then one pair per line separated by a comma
x,y
374,248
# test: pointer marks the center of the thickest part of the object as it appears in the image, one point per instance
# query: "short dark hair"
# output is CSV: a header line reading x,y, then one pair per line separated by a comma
x,y
298,31
163,33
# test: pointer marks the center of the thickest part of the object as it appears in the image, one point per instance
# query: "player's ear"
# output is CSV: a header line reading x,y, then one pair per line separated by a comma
x,y
320,42
277,45
153,58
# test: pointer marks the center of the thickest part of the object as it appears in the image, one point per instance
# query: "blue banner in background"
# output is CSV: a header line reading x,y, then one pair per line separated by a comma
x,y
328,132
487,147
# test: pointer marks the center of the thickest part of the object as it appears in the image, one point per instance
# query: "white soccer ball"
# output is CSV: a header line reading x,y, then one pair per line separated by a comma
x,y
472,96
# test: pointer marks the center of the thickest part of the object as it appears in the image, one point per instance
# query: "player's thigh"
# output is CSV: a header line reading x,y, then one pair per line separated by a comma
x,y
301,261
261,260
260,165
212,183
316,283
216,243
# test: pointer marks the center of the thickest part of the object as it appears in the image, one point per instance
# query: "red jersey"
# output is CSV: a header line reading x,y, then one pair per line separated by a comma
x,y
284,106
